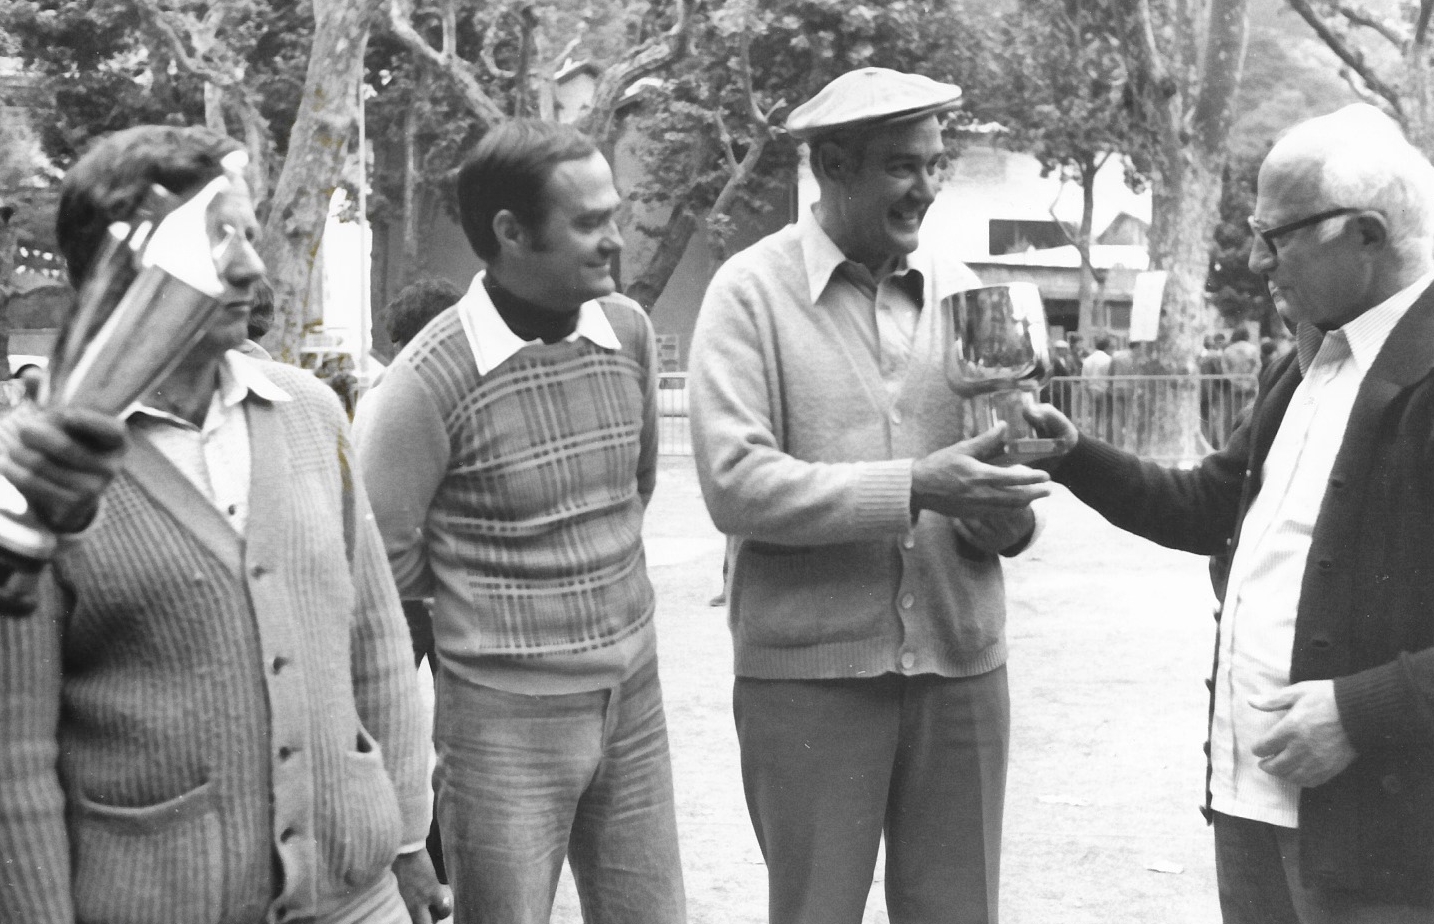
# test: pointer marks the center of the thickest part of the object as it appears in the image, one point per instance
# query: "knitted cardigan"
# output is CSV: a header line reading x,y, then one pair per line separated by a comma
x,y
516,498
206,728
806,460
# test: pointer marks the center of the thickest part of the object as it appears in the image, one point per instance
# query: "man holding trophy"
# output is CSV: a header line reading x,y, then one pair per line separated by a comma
x,y
211,713
866,597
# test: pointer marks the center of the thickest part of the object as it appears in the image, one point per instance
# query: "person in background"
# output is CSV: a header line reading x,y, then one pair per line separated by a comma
x,y
513,450
1095,388
866,599
1241,361
211,716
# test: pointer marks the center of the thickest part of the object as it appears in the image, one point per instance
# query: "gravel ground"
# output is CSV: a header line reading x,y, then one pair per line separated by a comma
x,y
1110,642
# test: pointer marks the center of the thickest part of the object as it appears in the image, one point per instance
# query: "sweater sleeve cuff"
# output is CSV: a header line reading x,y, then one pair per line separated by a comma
x,y
884,496
1377,709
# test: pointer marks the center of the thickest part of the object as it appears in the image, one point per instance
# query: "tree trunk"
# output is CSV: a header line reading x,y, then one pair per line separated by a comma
x,y
9,245
1187,203
648,285
318,144
1086,291
1193,111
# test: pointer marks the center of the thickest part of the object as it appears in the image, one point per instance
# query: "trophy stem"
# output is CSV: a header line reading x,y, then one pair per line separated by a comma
x,y
1009,405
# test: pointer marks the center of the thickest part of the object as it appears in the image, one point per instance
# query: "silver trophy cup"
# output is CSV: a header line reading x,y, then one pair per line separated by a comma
x,y
150,295
998,356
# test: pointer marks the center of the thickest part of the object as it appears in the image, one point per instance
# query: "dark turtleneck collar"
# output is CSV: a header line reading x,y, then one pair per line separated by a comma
x,y
526,320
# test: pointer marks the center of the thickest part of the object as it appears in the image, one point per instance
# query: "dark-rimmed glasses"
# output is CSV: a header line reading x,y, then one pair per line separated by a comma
x,y
1271,235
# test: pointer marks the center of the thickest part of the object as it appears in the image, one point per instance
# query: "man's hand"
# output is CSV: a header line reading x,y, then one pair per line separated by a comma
x,y
956,482
1308,746
426,898
61,460
1053,425
996,532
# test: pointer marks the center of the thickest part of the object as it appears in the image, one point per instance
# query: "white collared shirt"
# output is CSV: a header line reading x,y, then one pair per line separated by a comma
x,y
1257,629
215,456
494,343
889,307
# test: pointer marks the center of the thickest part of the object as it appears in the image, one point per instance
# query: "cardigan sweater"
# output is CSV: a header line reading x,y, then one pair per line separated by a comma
x,y
202,727
516,500
1366,612
804,457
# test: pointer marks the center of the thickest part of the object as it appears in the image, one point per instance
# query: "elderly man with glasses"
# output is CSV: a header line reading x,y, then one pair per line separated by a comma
x,y
1321,785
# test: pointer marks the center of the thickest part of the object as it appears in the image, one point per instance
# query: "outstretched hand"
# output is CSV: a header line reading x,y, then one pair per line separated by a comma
x,y
957,481
1051,424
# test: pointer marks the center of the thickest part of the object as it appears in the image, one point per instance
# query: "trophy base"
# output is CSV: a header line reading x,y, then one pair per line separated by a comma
x,y
1029,449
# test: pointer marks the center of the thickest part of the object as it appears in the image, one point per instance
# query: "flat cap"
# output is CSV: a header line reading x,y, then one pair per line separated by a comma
x,y
871,95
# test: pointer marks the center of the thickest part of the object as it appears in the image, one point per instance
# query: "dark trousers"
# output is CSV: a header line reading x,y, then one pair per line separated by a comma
x,y
1257,866
829,766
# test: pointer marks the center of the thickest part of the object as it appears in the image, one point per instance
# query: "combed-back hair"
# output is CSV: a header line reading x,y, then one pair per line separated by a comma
x,y
508,170
109,182
417,304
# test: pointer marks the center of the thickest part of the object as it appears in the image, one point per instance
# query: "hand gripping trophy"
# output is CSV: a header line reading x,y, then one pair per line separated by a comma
x,y
998,357
149,297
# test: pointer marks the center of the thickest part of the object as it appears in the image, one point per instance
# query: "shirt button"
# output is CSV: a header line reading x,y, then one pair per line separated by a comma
x,y
908,660
258,571
895,416
908,600
286,752
288,835
908,541
233,509
280,663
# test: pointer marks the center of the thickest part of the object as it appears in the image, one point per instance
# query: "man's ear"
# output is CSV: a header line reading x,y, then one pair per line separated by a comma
x,y
509,230
1373,228
832,160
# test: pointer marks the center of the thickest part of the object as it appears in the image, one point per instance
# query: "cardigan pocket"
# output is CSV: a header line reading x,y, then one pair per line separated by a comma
x,y
792,596
156,864
373,824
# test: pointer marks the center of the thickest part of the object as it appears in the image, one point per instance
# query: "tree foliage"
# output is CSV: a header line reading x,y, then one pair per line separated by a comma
x,y
1385,55
1059,84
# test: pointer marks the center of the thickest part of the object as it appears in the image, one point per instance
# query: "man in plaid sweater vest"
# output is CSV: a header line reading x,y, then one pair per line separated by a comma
x,y
512,451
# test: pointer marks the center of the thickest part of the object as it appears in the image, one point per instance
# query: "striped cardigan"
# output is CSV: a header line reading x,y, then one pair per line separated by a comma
x,y
516,498
201,727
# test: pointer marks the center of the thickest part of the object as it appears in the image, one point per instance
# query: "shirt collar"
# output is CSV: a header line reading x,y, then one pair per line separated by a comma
x,y
1368,332
239,376
494,343
821,257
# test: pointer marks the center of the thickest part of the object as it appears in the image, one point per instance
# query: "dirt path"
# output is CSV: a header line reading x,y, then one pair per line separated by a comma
x,y
1110,639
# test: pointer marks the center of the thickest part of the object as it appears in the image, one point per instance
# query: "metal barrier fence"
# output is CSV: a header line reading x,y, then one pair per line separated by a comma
x,y
1120,409
1123,409
673,436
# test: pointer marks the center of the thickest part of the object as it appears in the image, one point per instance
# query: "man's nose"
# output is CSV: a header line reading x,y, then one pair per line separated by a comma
x,y
611,238
925,188
240,264
1263,258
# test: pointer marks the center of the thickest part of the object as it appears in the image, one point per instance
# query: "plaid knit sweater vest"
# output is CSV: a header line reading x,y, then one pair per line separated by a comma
x,y
536,531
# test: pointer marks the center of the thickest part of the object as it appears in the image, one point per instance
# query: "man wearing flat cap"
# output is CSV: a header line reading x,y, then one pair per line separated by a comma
x,y
866,600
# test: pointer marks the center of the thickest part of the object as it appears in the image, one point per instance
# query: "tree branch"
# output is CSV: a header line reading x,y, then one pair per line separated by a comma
x,y
1421,28
452,67
646,59
1352,59
1359,16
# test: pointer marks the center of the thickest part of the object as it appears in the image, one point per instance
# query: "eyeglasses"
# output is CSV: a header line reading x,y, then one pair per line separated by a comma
x,y
1271,235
